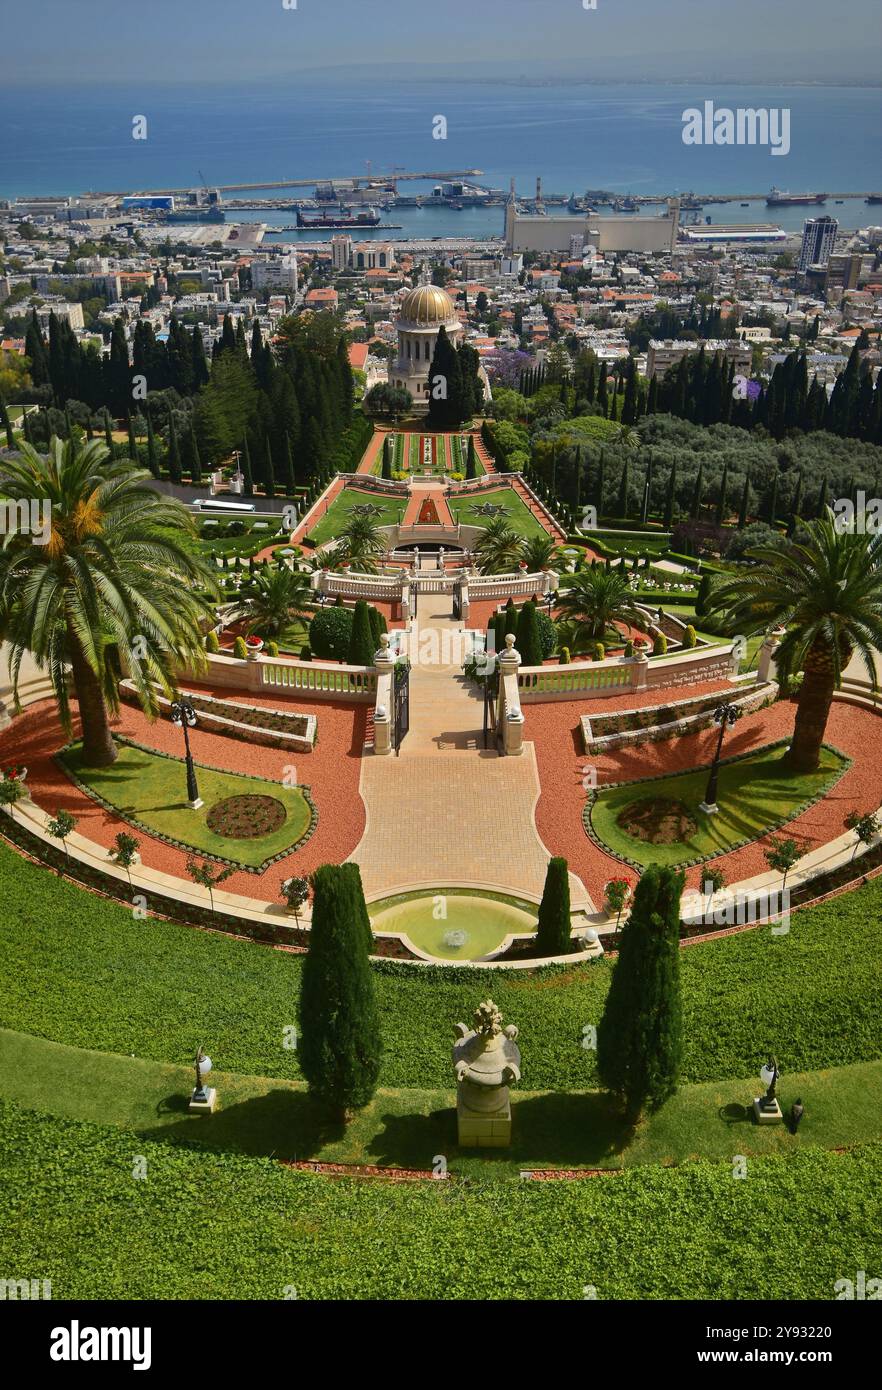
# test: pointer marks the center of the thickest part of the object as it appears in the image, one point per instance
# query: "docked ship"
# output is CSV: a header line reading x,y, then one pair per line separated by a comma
x,y
341,221
626,205
689,203
779,199
212,214
873,198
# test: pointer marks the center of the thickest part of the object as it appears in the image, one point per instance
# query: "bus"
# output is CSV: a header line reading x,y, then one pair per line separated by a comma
x,y
211,504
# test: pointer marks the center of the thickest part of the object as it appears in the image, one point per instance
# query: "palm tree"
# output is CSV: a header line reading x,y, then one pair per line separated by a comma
x,y
499,549
595,601
272,598
119,580
542,553
827,592
360,542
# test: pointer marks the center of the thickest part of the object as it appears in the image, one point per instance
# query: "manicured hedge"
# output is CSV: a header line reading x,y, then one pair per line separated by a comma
x,y
206,1225
82,970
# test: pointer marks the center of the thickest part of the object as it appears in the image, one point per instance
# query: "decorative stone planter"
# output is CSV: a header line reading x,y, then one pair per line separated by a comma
x,y
253,647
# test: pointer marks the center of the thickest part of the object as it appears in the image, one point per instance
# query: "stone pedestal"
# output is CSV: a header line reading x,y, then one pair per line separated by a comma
x,y
203,1102
767,1112
486,1060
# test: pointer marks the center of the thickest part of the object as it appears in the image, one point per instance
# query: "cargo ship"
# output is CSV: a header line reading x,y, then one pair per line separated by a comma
x,y
212,214
873,198
341,221
778,199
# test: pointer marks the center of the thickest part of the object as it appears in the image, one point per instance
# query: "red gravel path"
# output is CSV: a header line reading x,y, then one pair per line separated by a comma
x,y
554,730
331,771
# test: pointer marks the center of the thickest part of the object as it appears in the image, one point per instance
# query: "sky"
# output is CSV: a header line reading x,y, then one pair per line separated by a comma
x,y
63,41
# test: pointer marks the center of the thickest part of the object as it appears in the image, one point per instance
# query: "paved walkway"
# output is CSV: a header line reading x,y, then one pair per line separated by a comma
x,y
444,810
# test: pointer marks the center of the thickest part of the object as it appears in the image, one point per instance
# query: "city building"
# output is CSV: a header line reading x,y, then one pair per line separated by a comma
x,y
628,233
843,271
341,250
662,355
275,273
818,240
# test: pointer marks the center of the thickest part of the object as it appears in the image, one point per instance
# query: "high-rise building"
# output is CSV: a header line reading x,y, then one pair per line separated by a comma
x,y
818,240
341,248
843,271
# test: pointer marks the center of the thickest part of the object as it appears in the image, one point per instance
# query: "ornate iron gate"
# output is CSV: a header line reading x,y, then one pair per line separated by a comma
x,y
401,704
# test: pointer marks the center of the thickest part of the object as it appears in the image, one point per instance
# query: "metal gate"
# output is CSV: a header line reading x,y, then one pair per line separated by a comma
x,y
400,704
457,602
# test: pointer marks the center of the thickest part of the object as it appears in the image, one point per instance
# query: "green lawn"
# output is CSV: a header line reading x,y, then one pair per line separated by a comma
x,y
405,1128
197,1224
519,518
755,794
150,791
331,523
78,969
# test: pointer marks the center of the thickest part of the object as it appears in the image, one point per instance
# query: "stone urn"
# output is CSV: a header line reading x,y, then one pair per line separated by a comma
x,y
486,1060
253,647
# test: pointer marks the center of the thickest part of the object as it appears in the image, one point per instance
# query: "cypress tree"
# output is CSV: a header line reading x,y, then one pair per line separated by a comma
x,y
527,639
361,643
133,446
821,505
290,480
553,927
471,460
697,492
652,398
386,470
796,504
744,509
602,391
702,596
600,484
35,351
640,1037
624,488
173,459
108,434
247,472
721,500
511,619
198,361
152,456
26,426
671,496
6,424
773,500
270,473
195,460
340,1046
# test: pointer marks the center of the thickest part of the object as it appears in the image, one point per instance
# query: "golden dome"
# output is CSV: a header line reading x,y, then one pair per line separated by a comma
x,y
426,306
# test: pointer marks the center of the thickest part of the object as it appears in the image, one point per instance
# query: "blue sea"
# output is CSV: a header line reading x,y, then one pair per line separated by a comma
x,y
626,138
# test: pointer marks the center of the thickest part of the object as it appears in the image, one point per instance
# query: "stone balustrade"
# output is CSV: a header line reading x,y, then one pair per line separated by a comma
x,y
307,678
596,679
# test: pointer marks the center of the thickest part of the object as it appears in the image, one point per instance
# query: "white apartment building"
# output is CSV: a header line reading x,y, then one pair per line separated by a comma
x,y
62,310
275,273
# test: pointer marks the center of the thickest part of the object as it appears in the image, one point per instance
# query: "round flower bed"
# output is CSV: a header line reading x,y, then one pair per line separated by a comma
x,y
246,817
657,820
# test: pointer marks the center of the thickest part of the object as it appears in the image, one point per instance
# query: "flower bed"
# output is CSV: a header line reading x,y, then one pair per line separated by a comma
x,y
603,733
272,728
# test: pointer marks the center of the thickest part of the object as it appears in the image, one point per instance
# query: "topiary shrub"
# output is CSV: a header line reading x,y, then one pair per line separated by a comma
x,y
553,927
629,647
564,656
306,652
527,639
341,1044
547,633
211,642
362,646
689,637
329,634
272,649
659,644
599,651
240,651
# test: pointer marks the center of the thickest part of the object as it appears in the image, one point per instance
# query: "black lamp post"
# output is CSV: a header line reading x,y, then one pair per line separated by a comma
x,y
724,715
183,713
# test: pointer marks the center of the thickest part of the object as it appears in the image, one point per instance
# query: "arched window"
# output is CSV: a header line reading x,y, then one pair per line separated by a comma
x,y
361,260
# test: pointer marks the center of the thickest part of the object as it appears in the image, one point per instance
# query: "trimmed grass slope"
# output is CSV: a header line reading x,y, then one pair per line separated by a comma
x,y
203,1225
81,970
